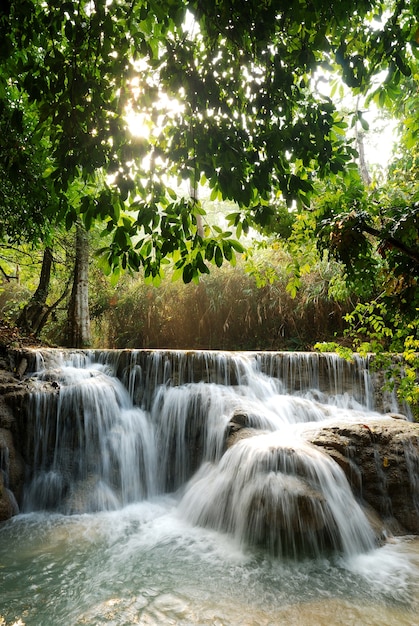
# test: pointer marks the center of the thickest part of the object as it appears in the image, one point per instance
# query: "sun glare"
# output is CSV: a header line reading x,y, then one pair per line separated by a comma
x,y
138,124
142,125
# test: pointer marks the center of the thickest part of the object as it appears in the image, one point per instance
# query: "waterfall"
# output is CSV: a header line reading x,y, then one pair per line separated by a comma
x,y
92,448
280,492
112,428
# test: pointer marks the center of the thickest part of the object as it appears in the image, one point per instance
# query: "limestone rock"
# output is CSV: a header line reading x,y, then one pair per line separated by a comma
x,y
11,475
381,461
8,506
380,458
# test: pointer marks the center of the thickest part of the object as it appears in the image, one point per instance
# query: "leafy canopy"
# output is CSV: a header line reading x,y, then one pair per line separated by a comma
x,y
228,89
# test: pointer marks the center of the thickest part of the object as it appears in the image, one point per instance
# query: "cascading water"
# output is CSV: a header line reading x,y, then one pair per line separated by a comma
x,y
94,450
281,493
139,510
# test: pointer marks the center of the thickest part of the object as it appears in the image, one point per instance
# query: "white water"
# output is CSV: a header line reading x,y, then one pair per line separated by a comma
x,y
167,528
145,565
258,493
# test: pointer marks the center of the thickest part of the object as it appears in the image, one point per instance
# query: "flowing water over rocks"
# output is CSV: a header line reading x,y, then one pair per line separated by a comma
x,y
206,488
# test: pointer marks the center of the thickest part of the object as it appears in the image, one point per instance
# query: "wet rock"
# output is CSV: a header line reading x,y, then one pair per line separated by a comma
x,y
239,434
380,459
11,475
90,495
296,524
8,506
397,416
381,462
239,427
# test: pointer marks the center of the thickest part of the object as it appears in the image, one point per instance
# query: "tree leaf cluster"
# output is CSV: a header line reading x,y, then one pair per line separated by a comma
x,y
246,119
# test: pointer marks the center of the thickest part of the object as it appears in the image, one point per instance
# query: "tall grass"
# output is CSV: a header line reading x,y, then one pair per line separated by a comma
x,y
226,310
246,307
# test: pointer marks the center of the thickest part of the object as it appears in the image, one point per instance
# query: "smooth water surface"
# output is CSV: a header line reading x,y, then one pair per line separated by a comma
x,y
145,565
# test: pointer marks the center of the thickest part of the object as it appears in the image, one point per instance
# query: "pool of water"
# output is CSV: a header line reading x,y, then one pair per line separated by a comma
x,y
145,565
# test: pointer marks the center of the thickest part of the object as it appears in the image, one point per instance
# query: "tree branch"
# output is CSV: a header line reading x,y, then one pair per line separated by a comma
x,y
6,276
392,242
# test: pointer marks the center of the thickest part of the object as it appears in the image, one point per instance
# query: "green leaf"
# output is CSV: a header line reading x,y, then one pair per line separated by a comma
x,y
218,256
177,274
187,273
228,253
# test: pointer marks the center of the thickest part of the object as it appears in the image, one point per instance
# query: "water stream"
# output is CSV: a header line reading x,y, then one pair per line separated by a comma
x,y
135,513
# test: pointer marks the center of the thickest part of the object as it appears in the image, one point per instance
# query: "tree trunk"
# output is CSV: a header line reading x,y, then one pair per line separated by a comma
x,y
32,317
78,320
363,167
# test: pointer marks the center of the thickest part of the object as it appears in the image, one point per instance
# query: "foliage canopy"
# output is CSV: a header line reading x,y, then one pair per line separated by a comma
x,y
227,90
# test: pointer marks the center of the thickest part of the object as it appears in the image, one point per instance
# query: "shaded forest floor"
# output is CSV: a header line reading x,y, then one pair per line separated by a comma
x,y
11,337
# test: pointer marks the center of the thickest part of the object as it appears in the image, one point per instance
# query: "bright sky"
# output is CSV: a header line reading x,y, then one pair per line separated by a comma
x,y
380,139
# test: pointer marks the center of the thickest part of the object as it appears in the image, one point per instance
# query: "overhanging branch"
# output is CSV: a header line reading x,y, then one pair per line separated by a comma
x,y
393,242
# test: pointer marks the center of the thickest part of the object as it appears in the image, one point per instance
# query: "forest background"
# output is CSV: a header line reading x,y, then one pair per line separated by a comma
x,y
182,175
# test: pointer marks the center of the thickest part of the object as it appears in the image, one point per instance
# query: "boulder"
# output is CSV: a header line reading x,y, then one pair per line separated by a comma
x,y
8,506
12,393
380,459
11,475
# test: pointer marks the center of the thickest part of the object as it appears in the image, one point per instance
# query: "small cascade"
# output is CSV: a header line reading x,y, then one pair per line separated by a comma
x,y
92,449
112,428
412,465
332,378
278,491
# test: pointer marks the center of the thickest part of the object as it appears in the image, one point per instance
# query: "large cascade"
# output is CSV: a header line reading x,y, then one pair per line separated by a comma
x,y
114,428
202,488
